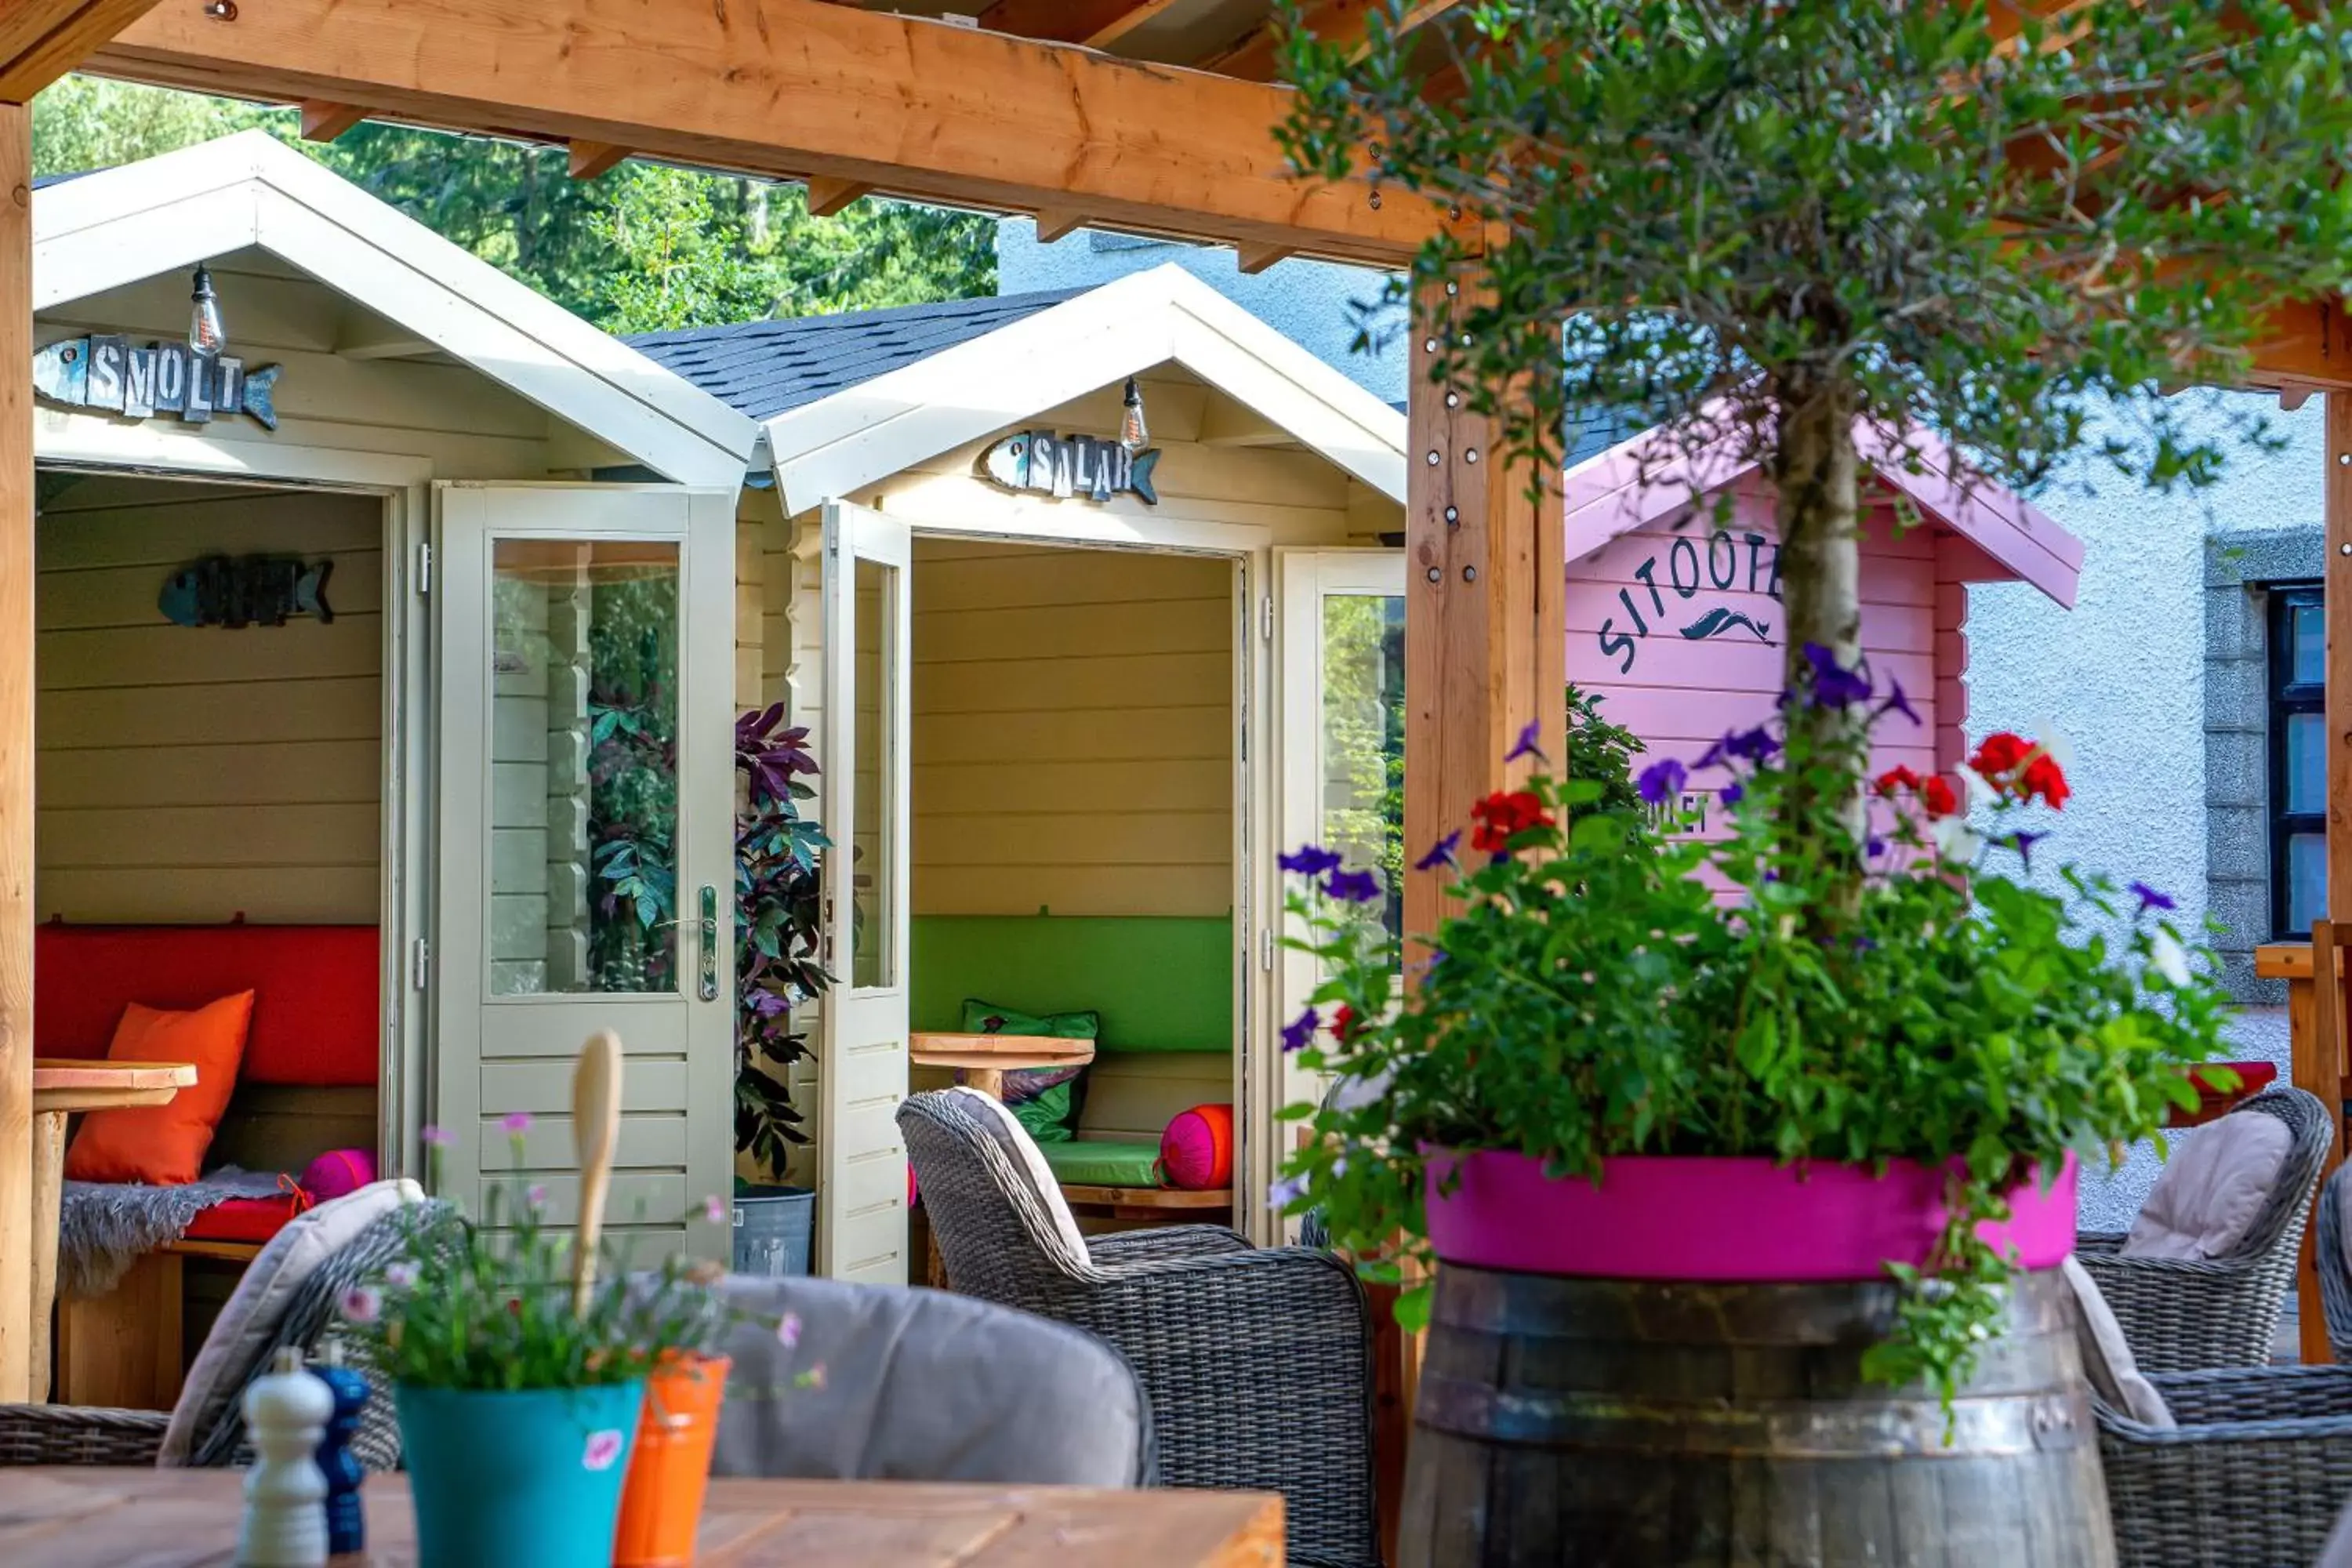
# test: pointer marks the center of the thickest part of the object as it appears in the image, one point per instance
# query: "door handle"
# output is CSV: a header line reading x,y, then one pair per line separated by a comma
x,y
710,924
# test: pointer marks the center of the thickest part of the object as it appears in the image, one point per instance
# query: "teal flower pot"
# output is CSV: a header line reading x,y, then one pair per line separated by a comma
x,y
532,1477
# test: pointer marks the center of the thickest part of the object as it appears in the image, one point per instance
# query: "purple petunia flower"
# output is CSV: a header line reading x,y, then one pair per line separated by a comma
x,y
1309,860
1300,1031
1525,745
1732,794
1755,746
1896,702
1282,1194
1663,781
2149,898
1354,886
1440,853
1835,686
2023,843
1875,846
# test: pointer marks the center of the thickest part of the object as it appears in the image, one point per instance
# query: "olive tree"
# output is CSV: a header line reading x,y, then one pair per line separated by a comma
x,y
1821,232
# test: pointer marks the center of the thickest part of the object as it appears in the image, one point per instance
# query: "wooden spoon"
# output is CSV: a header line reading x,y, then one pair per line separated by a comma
x,y
595,1129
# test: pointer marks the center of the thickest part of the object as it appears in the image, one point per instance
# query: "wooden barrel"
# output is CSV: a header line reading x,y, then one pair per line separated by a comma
x,y
1620,1423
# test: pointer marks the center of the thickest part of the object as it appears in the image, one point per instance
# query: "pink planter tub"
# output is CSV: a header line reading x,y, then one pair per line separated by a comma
x,y
1750,1220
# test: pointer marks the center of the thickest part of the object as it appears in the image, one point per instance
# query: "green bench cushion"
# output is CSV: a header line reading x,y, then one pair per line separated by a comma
x,y
1103,1163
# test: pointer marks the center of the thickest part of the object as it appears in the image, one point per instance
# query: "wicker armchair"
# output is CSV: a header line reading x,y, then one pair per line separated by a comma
x,y
2191,1315
90,1435
1257,1360
2334,1261
2257,1473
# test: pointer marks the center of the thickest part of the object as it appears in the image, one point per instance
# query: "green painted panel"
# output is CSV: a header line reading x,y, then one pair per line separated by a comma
x,y
1160,984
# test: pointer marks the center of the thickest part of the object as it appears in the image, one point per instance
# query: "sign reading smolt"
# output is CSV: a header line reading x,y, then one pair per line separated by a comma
x,y
105,371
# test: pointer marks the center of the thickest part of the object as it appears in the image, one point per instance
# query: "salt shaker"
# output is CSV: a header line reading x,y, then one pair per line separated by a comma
x,y
346,1524
286,1413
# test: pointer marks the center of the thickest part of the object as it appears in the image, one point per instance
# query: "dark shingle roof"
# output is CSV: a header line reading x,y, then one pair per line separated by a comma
x,y
763,368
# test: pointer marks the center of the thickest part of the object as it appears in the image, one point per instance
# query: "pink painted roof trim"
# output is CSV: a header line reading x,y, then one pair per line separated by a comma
x,y
1604,497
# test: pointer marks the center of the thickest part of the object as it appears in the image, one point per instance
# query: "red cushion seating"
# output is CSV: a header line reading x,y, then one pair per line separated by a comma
x,y
245,1219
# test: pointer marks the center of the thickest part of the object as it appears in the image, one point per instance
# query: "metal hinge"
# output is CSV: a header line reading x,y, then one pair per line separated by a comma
x,y
1266,948
425,569
420,963
1268,618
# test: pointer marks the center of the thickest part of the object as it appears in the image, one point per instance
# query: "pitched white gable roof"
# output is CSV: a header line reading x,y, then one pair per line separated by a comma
x,y
121,226
865,433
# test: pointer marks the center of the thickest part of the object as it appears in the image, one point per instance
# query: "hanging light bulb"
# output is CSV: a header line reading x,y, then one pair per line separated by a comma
x,y
1133,434
206,335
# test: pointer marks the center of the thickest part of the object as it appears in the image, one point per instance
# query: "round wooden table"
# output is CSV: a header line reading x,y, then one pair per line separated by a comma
x,y
60,1088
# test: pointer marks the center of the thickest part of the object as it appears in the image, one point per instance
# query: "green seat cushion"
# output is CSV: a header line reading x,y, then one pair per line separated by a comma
x,y
1046,1108
1104,1163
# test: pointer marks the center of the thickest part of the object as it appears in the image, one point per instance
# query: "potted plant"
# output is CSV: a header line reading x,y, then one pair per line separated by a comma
x,y
518,1392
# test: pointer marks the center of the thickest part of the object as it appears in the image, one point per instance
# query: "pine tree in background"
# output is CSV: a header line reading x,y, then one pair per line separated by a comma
x,y
643,248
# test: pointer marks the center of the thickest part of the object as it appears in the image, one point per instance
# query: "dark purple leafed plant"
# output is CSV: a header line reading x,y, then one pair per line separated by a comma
x,y
778,926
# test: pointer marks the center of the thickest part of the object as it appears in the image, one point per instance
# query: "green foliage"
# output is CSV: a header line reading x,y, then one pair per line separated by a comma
x,y
1601,752
490,1307
1591,999
644,248
779,936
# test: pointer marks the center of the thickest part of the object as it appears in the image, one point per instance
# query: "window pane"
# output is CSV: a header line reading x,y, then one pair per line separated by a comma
x,y
2306,761
2308,628
1363,740
874,856
2307,880
583,767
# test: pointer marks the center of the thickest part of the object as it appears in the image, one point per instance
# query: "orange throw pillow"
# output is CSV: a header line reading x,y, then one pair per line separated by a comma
x,y
163,1146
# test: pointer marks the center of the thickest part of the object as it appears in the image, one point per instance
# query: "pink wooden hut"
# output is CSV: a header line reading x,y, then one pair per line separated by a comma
x,y
1674,618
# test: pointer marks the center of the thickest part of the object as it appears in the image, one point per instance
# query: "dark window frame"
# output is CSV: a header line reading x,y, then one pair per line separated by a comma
x,y
2284,695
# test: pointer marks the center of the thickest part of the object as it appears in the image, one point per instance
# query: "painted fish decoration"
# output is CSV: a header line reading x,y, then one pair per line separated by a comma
x,y
246,590
105,371
1066,465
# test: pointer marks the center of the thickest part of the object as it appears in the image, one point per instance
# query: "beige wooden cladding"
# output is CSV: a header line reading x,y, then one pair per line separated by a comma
x,y
191,773
1074,732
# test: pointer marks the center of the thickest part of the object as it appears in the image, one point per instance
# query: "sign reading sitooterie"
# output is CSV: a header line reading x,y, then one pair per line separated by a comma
x,y
105,371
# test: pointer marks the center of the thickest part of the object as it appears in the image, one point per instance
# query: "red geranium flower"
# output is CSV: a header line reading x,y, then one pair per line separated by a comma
x,y
1938,797
2000,753
1344,1023
1503,815
2044,777
1892,778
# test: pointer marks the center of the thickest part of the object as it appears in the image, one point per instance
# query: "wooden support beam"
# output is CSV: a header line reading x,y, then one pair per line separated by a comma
x,y
1485,604
2338,512
1108,35
830,198
40,40
324,122
1065,21
1058,223
1255,258
1258,55
16,753
790,89
593,160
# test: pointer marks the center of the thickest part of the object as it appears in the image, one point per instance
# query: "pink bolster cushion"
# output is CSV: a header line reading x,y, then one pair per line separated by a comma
x,y
1196,1152
337,1173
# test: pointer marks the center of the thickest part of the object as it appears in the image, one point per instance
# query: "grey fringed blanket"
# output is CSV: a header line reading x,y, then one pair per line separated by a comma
x,y
103,1227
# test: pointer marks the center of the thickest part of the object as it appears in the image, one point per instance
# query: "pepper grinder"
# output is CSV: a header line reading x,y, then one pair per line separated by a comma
x,y
346,1524
285,1523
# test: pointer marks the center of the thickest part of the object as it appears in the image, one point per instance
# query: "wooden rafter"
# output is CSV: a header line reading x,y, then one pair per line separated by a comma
x,y
1258,56
40,40
796,88
1063,21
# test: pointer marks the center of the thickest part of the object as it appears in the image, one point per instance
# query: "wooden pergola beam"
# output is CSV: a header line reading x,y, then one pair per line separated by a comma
x,y
17,1334
324,122
795,89
41,40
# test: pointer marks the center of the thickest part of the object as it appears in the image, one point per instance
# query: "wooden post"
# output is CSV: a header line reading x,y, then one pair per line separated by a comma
x,y
1485,654
16,751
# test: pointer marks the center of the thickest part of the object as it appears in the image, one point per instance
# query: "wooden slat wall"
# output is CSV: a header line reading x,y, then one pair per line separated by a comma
x,y
187,774
1074,732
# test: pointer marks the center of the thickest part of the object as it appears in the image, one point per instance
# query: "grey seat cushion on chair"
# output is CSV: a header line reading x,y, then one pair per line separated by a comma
x,y
924,1385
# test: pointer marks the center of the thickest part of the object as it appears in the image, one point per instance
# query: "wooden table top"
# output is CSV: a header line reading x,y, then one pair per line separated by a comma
x,y
98,1518
932,1049
61,1083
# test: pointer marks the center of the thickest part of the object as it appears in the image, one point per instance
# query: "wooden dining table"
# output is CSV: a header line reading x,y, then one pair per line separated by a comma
x,y
98,1518
61,1087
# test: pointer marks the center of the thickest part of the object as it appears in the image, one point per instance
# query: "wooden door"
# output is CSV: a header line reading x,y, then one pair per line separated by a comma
x,y
862,1040
585,841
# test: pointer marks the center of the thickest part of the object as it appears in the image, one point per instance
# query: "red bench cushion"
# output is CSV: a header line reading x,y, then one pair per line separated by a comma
x,y
316,1004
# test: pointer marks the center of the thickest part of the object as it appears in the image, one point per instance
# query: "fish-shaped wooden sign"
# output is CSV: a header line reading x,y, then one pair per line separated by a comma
x,y
246,591
105,371
1066,465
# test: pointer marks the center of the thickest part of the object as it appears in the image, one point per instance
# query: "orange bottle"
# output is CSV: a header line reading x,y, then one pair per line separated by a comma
x,y
661,1505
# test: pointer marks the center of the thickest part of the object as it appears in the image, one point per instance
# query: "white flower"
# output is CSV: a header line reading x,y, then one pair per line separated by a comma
x,y
1356,1091
401,1276
2167,957
1978,792
1286,1191
1954,840
363,1304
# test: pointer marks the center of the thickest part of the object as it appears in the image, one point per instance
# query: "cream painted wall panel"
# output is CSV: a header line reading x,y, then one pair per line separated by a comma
x,y
1135,1094
1029,739
189,774
1205,891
